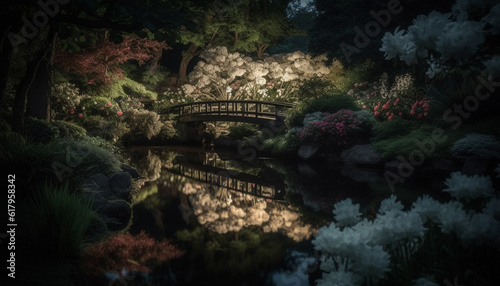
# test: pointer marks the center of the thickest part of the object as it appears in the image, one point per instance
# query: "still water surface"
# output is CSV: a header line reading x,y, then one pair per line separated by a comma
x,y
245,222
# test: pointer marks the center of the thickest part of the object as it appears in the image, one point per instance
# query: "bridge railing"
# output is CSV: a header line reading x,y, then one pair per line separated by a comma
x,y
231,108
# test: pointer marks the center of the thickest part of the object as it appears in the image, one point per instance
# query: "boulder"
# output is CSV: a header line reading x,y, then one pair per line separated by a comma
x,y
116,214
133,172
99,183
120,185
307,151
361,155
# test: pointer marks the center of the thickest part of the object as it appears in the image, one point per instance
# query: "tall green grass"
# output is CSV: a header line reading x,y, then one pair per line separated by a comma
x,y
54,221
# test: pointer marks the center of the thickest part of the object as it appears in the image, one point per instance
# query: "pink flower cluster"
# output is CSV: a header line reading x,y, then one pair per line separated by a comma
x,y
399,107
333,130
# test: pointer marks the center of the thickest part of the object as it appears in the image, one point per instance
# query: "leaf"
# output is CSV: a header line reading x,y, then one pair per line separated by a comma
x,y
82,39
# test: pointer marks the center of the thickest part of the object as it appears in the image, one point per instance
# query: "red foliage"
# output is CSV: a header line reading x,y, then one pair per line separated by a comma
x,y
124,251
101,61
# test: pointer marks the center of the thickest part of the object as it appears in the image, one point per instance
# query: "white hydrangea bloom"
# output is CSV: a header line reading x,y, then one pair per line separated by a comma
x,y
346,213
426,30
492,66
460,40
372,262
390,205
481,229
394,44
493,19
461,186
452,217
492,208
427,208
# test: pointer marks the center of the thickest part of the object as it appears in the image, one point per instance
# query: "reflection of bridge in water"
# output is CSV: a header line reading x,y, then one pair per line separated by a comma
x,y
232,180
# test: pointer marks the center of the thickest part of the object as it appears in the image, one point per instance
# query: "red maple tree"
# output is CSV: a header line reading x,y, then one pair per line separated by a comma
x,y
102,60
125,251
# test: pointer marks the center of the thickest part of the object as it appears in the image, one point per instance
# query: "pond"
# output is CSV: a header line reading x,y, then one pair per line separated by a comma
x,y
243,222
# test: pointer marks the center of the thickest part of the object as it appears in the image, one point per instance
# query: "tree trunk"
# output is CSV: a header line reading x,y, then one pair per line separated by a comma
x,y
186,58
235,45
153,63
32,94
38,93
260,50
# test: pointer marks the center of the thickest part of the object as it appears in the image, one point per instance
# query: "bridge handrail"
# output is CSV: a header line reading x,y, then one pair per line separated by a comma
x,y
280,104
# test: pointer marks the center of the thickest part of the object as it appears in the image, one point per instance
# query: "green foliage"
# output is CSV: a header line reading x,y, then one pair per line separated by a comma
x,y
329,104
404,145
39,131
392,129
54,222
69,130
283,145
314,88
242,130
477,145
127,87
450,91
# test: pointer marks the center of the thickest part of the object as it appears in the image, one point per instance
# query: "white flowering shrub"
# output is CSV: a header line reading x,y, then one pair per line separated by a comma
x,y
67,99
462,186
224,75
448,41
143,122
355,249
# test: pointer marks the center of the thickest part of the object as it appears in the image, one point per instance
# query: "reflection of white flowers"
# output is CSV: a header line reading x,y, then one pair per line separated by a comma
x,y
346,213
461,186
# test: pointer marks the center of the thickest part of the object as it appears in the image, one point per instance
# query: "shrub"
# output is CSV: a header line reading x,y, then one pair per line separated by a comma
x,y
143,122
130,252
69,130
283,144
39,131
329,104
54,222
476,145
314,88
243,130
404,145
339,129
391,129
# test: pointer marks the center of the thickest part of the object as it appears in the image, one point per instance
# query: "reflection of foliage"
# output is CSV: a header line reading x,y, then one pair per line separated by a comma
x,y
148,166
125,251
143,193
234,258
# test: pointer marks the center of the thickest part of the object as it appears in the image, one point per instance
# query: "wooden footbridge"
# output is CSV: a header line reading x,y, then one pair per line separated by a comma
x,y
249,111
240,182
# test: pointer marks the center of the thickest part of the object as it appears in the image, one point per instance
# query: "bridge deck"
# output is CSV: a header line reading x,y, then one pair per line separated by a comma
x,y
232,110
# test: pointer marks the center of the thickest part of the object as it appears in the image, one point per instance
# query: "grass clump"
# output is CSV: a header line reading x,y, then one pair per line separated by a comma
x,y
54,222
